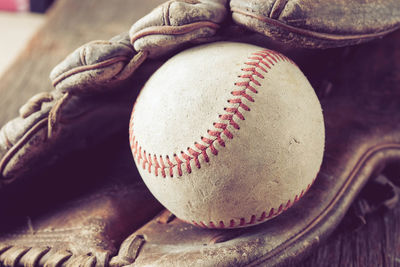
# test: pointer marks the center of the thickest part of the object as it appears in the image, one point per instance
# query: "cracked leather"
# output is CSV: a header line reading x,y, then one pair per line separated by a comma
x,y
361,110
90,84
175,23
97,65
362,121
318,24
99,82
94,206
53,123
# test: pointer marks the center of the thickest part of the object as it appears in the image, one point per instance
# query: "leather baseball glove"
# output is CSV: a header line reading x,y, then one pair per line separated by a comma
x,y
107,217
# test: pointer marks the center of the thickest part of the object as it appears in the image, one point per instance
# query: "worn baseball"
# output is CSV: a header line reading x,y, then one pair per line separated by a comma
x,y
227,135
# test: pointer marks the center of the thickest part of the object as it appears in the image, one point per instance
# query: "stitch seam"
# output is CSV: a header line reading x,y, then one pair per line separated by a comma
x,y
265,215
258,65
164,165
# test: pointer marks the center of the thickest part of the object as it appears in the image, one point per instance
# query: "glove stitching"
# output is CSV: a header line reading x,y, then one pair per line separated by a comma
x,y
24,139
174,30
303,32
96,66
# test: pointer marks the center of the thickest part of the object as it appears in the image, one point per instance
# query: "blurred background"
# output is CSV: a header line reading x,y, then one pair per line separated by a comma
x,y
19,20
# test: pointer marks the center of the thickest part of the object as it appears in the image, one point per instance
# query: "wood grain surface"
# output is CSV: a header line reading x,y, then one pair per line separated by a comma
x,y
71,23
375,244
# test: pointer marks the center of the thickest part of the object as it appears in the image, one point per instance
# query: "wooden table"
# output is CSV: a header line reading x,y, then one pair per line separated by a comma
x,y
71,23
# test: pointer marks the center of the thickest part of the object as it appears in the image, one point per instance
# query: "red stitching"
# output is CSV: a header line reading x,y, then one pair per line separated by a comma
x,y
171,165
243,94
267,56
156,165
288,204
178,164
162,167
262,217
253,218
187,159
257,65
150,162
144,160
207,140
228,134
271,213
235,112
280,209
252,79
195,155
259,62
140,155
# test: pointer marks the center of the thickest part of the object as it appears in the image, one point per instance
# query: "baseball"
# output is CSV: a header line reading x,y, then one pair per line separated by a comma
x,y
227,134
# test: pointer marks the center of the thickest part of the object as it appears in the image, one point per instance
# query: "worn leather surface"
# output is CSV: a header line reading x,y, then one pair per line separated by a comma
x,y
358,88
80,218
97,65
361,110
318,24
51,124
175,23
89,84
249,167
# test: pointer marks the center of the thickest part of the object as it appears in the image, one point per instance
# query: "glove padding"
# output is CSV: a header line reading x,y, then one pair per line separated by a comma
x,y
52,124
362,117
80,218
98,65
363,135
175,23
89,88
85,80
318,24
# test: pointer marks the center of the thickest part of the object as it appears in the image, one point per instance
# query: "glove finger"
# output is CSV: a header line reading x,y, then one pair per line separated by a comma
x,y
361,113
97,66
53,124
175,23
87,228
318,24
20,135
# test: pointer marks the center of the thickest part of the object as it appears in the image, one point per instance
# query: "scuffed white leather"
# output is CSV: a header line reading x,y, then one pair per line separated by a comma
x,y
271,159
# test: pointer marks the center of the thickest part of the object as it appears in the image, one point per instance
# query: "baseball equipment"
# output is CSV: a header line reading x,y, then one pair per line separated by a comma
x,y
362,137
317,24
231,141
95,88
86,80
